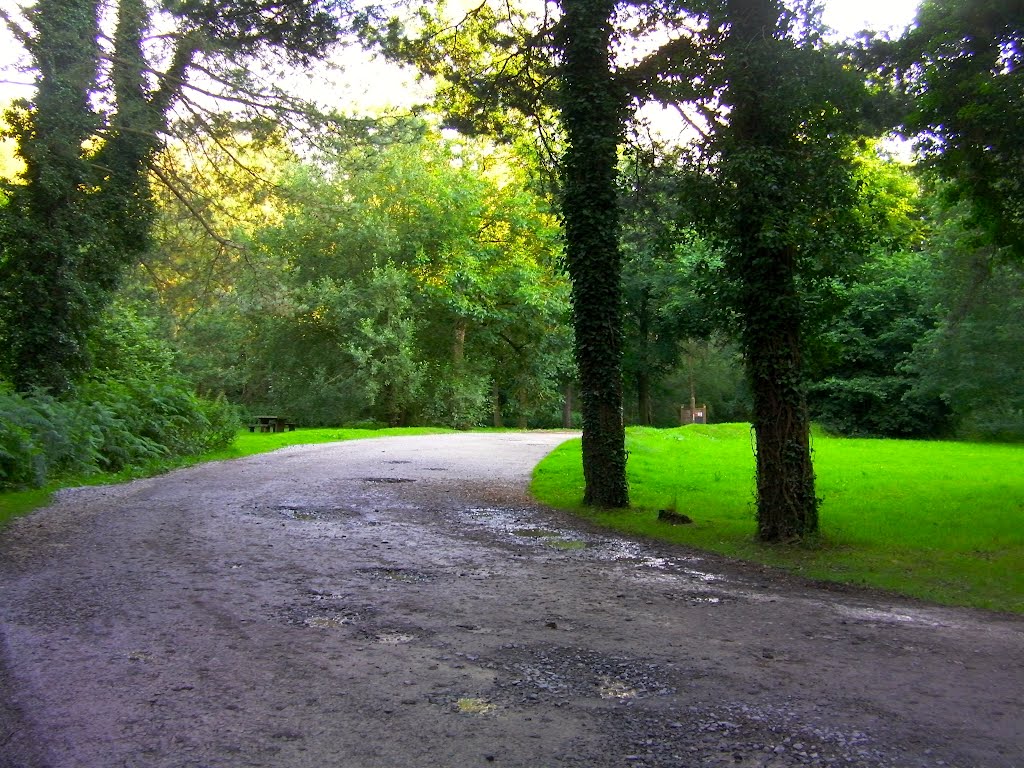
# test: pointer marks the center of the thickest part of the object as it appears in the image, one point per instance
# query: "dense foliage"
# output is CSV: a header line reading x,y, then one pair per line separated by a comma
x,y
89,137
401,284
133,411
960,66
773,263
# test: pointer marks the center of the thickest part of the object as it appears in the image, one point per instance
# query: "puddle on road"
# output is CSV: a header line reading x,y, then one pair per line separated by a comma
x,y
312,512
323,617
567,545
325,609
610,688
881,616
535,533
553,539
650,568
330,622
402,575
699,597
393,638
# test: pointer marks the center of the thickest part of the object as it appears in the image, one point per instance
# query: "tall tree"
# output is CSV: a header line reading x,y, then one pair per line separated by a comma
x,y
776,150
592,112
502,71
42,298
88,140
962,67
786,184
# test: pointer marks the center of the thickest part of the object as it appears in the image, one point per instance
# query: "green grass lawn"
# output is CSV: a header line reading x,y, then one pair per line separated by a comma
x,y
937,520
16,503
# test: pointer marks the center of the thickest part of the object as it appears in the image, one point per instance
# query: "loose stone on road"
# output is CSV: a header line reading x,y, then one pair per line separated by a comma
x,y
399,602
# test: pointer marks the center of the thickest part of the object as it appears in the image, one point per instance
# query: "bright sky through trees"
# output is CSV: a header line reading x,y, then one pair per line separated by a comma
x,y
847,17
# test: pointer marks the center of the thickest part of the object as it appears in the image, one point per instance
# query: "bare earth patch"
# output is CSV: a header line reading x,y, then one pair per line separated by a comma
x,y
399,603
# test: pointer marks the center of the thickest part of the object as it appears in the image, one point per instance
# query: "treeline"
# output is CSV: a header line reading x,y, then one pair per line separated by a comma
x,y
411,283
280,257
80,215
912,332
421,282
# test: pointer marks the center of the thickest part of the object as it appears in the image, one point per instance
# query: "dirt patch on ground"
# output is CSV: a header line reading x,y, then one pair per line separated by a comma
x,y
398,602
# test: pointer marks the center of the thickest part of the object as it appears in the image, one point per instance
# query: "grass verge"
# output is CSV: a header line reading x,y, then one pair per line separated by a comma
x,y
16,503
940,521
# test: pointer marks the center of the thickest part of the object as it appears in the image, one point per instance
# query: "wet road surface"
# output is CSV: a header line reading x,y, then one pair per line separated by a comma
x,y
399,602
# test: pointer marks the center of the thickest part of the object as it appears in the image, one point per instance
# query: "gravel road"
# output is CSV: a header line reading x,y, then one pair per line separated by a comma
x,y
400,603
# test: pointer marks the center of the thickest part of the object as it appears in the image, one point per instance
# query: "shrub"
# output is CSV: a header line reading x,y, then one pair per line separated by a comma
x,y
132,411
108,426
458,401
146,421
41,436
21,461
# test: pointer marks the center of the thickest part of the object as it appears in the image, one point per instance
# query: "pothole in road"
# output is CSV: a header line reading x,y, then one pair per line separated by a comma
x,y
535,533
474,706
327,610
310,513
323,617
330,622
611,688
393,638
392,634
553,539
554,672
699,598
401,575
567,545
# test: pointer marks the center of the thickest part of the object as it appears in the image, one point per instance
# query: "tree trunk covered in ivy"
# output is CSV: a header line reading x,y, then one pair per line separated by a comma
x,y
42,293
592,114
85,210
757,160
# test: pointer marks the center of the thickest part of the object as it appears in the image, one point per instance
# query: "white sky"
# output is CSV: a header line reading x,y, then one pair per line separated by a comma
x,y
846,17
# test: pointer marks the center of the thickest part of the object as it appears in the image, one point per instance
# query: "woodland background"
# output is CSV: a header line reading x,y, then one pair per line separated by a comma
x,y
216,247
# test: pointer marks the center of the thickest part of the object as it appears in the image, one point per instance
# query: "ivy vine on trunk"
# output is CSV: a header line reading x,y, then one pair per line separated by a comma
x,y
88,139
758,154
592,110
43,298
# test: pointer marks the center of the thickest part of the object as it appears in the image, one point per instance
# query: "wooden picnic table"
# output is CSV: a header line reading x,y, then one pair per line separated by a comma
x,y
271,424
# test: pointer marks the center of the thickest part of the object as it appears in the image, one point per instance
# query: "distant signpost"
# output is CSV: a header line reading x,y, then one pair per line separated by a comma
x,y
695,414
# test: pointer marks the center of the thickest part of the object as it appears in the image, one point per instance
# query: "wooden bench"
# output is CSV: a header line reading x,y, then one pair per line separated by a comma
x,y
271,424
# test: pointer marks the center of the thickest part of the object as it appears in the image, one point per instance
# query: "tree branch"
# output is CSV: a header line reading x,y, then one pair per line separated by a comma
x,y
195,212
20,34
